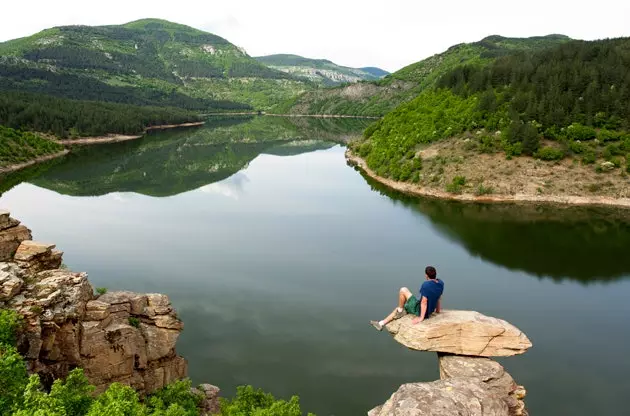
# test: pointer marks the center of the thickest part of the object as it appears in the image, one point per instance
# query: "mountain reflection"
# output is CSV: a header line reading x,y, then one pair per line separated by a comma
x,y
172,162
586,244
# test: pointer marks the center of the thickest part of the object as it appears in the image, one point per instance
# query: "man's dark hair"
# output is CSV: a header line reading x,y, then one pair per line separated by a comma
x,y
431,272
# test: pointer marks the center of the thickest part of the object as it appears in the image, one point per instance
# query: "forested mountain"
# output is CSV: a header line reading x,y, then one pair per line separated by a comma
x,y
146,62
571,100
376,98
321,71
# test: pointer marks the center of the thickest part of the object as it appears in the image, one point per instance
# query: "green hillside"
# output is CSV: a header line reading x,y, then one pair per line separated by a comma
x,y
19,147
321,71
146,62
379,97
571,100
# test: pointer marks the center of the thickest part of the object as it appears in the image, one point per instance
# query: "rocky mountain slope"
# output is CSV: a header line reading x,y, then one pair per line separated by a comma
x,y
321,71
377,98
147,60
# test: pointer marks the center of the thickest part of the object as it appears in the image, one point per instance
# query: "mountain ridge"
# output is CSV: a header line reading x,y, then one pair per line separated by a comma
x,y
321,71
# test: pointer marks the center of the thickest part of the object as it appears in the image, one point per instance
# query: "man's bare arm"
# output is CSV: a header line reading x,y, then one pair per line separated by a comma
x,y
438,307
423,311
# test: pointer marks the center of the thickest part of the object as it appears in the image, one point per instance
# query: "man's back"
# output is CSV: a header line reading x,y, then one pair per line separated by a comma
x,y
432,289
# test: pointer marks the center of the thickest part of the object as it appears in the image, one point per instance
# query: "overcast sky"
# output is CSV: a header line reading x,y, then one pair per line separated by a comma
x,y
389,33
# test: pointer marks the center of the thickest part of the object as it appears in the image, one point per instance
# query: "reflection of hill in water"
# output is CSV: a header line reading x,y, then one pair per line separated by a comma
x,y
172,162
586,244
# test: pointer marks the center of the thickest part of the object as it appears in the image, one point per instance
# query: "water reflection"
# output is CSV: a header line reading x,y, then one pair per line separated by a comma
x,y
172,162
587,244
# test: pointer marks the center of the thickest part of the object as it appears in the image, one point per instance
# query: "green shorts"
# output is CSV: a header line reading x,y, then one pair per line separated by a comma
x,y
413,306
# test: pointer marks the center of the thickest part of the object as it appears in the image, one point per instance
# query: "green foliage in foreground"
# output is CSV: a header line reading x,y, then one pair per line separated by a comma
x,y
21,395
255,402
19,147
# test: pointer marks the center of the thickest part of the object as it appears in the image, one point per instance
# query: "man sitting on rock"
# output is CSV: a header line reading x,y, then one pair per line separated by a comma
x,y
430,293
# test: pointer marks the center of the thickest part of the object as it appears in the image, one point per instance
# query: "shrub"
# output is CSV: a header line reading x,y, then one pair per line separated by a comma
x,y
133,321
484,190
250,401
101,290
605,135
10,324
577,131
589,157
455,187
549,153
13,378
118,400
177,395
577,147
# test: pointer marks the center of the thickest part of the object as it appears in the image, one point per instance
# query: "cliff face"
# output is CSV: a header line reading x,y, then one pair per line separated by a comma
x,y
116,337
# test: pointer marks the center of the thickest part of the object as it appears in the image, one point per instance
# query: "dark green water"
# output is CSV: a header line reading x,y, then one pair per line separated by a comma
x,y
277,254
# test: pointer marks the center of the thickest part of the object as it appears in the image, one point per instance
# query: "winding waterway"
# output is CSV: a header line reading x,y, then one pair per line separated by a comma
x,y
276,255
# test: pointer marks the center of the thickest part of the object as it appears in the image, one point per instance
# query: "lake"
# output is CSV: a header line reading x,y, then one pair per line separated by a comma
x,y
276,254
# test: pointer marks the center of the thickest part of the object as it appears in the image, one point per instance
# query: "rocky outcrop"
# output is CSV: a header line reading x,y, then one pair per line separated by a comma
x,y
457,396
471,384
461,332
498,382
11,235
116,337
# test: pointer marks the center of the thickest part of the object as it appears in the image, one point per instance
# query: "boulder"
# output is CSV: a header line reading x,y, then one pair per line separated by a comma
x,y
210,404
461,332
463,396
498,381
11,236
35,256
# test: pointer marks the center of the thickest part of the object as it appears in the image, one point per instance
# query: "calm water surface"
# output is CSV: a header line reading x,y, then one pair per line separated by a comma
x,y
277,254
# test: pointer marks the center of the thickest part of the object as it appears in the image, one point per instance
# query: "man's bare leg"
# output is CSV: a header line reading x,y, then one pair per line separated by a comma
x,y
403,295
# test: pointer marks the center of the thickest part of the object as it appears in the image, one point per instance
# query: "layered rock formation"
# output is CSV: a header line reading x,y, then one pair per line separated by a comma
x,y
117,337
470,384
461,332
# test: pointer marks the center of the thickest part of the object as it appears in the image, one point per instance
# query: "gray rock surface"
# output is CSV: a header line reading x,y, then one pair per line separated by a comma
x,y
457,396
461,332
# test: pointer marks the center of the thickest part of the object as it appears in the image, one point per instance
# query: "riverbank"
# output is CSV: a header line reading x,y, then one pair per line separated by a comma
x,y
19,166
115,138
537,188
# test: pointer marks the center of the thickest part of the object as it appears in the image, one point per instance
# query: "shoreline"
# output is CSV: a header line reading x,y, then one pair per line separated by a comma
x,y
323,116
411,189
40,159
116,138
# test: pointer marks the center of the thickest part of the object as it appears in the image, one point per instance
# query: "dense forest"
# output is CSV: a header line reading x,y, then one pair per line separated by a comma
x,y
19,147
571,94
73,118
78,87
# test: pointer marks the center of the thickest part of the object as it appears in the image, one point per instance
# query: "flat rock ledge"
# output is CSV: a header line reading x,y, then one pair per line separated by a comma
x,y
116,337
461,332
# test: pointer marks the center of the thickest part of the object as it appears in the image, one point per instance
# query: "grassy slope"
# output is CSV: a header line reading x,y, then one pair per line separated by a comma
x,y
19,147
149,54
321,71
379,97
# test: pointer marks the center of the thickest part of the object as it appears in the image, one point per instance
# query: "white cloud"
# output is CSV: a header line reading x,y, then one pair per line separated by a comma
x,y
389,34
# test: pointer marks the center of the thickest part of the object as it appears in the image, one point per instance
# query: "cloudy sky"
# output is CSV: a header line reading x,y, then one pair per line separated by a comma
x,y
389,34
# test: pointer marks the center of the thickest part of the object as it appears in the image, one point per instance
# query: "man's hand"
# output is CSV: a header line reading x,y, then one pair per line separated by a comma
x,y
417,320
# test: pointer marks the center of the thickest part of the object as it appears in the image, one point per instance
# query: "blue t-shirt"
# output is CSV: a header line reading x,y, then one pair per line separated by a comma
x,y
432,290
